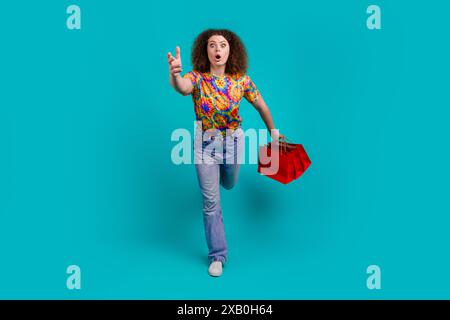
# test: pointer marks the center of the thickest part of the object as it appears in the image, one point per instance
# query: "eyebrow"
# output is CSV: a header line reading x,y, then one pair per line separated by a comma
x,y
213,41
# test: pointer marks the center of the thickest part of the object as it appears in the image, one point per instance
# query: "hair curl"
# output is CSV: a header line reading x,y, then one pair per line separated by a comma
x,y
237,62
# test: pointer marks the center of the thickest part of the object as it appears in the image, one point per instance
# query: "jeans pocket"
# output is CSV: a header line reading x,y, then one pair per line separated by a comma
x,y
206,143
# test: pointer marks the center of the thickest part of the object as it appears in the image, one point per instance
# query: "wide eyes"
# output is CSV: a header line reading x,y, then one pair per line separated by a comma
x,y
212,45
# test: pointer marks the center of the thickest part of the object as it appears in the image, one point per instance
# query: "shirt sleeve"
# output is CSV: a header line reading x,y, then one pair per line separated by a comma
x,y
251,92
193,76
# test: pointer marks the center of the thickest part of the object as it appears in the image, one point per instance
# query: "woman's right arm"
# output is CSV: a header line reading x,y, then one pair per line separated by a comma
x,y
181,85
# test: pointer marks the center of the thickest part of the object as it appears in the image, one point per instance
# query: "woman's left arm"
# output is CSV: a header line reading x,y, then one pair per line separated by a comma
x,y
261,106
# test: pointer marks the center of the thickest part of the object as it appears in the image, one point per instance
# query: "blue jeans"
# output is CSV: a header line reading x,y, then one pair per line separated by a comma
x,y
221,162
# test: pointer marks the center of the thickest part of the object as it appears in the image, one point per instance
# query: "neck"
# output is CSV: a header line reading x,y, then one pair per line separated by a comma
x,y
217,70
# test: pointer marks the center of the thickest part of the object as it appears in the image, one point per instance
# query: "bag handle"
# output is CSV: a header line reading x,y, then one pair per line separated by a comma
x,y
284,142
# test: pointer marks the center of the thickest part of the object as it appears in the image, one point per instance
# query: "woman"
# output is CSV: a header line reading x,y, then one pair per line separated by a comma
x,y
217,83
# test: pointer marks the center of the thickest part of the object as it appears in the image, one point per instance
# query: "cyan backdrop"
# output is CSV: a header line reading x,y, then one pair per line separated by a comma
x,y
86,176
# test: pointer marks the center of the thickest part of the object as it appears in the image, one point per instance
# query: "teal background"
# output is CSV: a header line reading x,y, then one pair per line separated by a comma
x,y
86,176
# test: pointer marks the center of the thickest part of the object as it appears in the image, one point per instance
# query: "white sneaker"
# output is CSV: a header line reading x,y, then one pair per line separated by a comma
x,y
215,269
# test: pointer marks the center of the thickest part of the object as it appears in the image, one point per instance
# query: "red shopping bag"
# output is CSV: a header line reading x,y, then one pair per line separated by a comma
x,y
283,164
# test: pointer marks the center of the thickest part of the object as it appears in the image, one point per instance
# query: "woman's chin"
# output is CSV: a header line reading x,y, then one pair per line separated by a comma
x,y
218,63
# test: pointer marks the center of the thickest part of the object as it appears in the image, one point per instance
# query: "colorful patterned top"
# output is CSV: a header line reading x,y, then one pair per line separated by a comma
x,y
217,98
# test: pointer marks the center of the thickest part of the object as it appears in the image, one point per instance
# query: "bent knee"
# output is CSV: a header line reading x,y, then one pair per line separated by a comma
x,y
229,187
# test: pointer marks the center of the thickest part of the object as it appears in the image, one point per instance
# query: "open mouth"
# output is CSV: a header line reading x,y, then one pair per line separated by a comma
x,y
217,56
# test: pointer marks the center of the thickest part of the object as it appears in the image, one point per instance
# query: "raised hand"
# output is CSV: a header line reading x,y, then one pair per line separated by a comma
x,y
175,67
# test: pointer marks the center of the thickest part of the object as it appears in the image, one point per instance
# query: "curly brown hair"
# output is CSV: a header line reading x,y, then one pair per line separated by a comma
x,y
237,62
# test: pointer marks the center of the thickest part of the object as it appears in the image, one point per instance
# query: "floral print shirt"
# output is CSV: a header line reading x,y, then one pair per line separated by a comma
x,y
217,98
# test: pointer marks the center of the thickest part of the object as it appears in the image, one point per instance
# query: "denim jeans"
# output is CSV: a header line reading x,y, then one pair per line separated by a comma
x,y
221,162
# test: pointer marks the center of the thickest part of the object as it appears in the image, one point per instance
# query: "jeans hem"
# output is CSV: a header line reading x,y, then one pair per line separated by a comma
x,y
221,259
